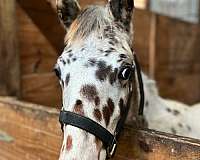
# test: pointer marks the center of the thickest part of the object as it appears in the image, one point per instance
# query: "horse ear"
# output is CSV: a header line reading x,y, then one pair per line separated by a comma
x,y
67,11
122,11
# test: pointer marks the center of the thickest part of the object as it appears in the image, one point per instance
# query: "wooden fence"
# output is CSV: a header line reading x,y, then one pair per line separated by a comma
x,y
30,132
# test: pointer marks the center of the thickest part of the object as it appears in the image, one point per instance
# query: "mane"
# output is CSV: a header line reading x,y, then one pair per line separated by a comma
x,y
90,20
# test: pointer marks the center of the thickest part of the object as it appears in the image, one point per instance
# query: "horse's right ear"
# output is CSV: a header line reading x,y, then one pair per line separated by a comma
x,y
122,11
67,11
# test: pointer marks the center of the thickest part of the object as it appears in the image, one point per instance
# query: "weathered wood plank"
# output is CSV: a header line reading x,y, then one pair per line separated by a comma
x,y
32,132
177,60
32,129
36,53
44,16
185,10
42,89
9,57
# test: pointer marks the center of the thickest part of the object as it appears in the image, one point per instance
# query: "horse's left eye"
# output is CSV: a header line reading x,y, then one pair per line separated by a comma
x,y
125,73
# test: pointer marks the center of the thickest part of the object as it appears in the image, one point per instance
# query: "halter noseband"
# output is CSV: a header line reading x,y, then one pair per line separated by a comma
x,y
109,140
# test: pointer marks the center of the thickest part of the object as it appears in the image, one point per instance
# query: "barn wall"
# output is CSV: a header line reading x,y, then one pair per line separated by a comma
x,y
177,56
177,59
38,57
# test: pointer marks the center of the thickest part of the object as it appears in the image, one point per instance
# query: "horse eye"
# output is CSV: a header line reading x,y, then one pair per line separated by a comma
x,y
125,73
57,71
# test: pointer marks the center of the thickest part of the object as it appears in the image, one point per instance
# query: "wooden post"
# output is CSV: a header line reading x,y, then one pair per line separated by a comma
x,y
9,57
152,45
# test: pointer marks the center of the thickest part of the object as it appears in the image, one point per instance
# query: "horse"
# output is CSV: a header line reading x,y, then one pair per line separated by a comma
x,y
168,115
99,76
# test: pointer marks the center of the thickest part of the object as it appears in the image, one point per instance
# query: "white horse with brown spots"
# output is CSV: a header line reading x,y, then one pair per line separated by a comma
x,y
168,115
97,73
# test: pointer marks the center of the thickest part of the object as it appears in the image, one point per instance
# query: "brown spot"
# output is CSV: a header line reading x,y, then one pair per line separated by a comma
x,y
103,71
111,106
69,143
78,108
119,60
189,128
92,62
67,79
106,115
113,76
121,106
98,143
110,42
89,92
98,115
168,110
70,55
97,101
108,111
147,104
176,112
63,61
173,130
107,54
180,125
68,61
122,56
69,51
74,59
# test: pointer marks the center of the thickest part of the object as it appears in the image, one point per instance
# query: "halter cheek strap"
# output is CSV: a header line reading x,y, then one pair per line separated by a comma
x,y
109,140
141,86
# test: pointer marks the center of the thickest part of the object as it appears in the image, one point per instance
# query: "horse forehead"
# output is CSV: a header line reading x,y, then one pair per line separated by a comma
x,y
74,61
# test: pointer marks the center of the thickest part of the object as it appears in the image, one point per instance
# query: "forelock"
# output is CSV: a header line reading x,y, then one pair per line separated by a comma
x,y
90,20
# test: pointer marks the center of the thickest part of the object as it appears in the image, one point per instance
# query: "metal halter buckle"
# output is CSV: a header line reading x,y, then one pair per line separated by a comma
x,y
112,148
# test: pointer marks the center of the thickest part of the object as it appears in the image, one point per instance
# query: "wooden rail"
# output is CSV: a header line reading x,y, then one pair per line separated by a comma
x,y
30,132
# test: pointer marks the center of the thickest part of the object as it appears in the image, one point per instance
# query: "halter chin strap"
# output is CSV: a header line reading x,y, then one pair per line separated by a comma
x,y
76,120
109,140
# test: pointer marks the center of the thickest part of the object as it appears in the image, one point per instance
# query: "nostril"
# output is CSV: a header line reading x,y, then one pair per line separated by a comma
x,y
78,102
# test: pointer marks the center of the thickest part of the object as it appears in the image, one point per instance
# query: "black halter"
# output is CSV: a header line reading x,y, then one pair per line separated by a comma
x,y
109,140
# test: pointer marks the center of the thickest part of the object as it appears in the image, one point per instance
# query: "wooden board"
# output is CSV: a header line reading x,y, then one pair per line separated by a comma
x,y
31,132
9,57
42,88
186,10
177,60
43,15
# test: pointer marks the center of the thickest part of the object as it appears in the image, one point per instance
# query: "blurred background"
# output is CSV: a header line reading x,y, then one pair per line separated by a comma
x,y
166,40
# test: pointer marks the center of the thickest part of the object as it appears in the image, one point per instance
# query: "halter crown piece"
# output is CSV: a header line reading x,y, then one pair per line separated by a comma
x,y
109,140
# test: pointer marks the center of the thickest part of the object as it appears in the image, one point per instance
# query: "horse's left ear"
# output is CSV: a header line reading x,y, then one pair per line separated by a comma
x,y
122,11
